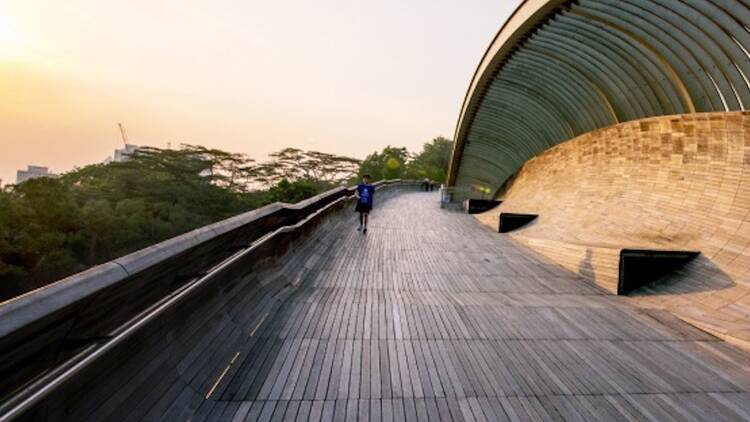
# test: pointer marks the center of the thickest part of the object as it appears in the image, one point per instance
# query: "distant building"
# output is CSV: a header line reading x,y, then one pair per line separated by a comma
x,y
122,154
33,172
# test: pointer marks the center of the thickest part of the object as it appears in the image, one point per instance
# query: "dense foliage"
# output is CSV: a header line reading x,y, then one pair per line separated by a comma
x,y
51,228
295,165
433,161
398,163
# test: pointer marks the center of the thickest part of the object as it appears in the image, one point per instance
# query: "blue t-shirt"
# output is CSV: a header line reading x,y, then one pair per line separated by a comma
x,y
365,194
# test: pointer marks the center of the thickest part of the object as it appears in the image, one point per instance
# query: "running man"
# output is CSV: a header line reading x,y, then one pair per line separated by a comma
x,y
364,194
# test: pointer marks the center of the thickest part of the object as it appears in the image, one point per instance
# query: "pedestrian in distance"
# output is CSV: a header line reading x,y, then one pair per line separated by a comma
x,y
364,193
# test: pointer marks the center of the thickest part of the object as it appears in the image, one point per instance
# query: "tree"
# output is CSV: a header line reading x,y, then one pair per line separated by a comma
x,y
292,192
433,161
39,224
292,164
232,171
51,228
387,164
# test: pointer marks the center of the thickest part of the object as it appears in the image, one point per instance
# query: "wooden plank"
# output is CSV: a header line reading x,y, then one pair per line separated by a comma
x,y
307,347
355,380
424,377
255,411
280,410
294,409
251,369
304,371
266,413
346,370
410,410
429,317
352,410
242,411
315,411
387,411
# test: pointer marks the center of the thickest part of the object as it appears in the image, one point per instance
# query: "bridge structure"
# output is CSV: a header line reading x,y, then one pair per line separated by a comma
x,y
610,283
621,128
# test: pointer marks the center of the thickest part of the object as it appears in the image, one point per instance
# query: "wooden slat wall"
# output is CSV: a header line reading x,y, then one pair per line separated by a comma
x,y
675,183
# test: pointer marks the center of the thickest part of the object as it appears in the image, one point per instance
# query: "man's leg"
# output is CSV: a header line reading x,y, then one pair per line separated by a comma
x,y
366,215
361,221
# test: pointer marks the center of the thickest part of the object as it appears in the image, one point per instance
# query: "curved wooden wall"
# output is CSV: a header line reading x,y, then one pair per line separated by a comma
x,y
677,182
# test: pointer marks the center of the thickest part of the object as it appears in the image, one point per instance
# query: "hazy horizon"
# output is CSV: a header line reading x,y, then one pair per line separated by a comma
x,y
250,77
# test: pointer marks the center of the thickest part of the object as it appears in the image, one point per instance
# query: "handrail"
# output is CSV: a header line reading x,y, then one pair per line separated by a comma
x,y
66,310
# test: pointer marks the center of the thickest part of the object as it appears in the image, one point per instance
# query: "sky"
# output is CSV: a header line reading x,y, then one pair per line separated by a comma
x,y
345,77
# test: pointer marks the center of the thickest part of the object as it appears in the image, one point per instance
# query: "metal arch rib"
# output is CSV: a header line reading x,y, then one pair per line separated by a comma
x,y
676,49
547,98
588,88
705,49
494,113
514,92
528,14
615,91
690,87
710,22
610,59
507,128
567,67
563,85
626,87
636,58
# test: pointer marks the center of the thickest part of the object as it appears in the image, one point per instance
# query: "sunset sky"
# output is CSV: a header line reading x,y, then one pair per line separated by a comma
x,y
346,77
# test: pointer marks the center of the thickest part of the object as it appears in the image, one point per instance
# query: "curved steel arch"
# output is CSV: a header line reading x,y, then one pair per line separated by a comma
x,y
549,69
608,63
636,61
679,58
560,68
616,90
553,89
562,103
677,67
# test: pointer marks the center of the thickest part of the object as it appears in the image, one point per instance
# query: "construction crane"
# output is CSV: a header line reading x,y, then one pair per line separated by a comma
x,y
123,134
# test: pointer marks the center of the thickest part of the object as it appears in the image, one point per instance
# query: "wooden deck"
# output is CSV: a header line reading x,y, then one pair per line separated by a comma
x,y
431,316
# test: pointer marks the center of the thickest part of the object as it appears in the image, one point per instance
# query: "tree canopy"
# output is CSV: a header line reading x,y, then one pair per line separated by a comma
x,y
52,228
433,161
387,164
294,165
398,163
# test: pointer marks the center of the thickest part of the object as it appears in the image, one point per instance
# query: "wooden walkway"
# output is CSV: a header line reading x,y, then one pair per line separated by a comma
x,y
433,317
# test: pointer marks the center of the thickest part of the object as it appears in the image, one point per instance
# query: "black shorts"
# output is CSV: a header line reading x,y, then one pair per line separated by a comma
x,y
362,208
